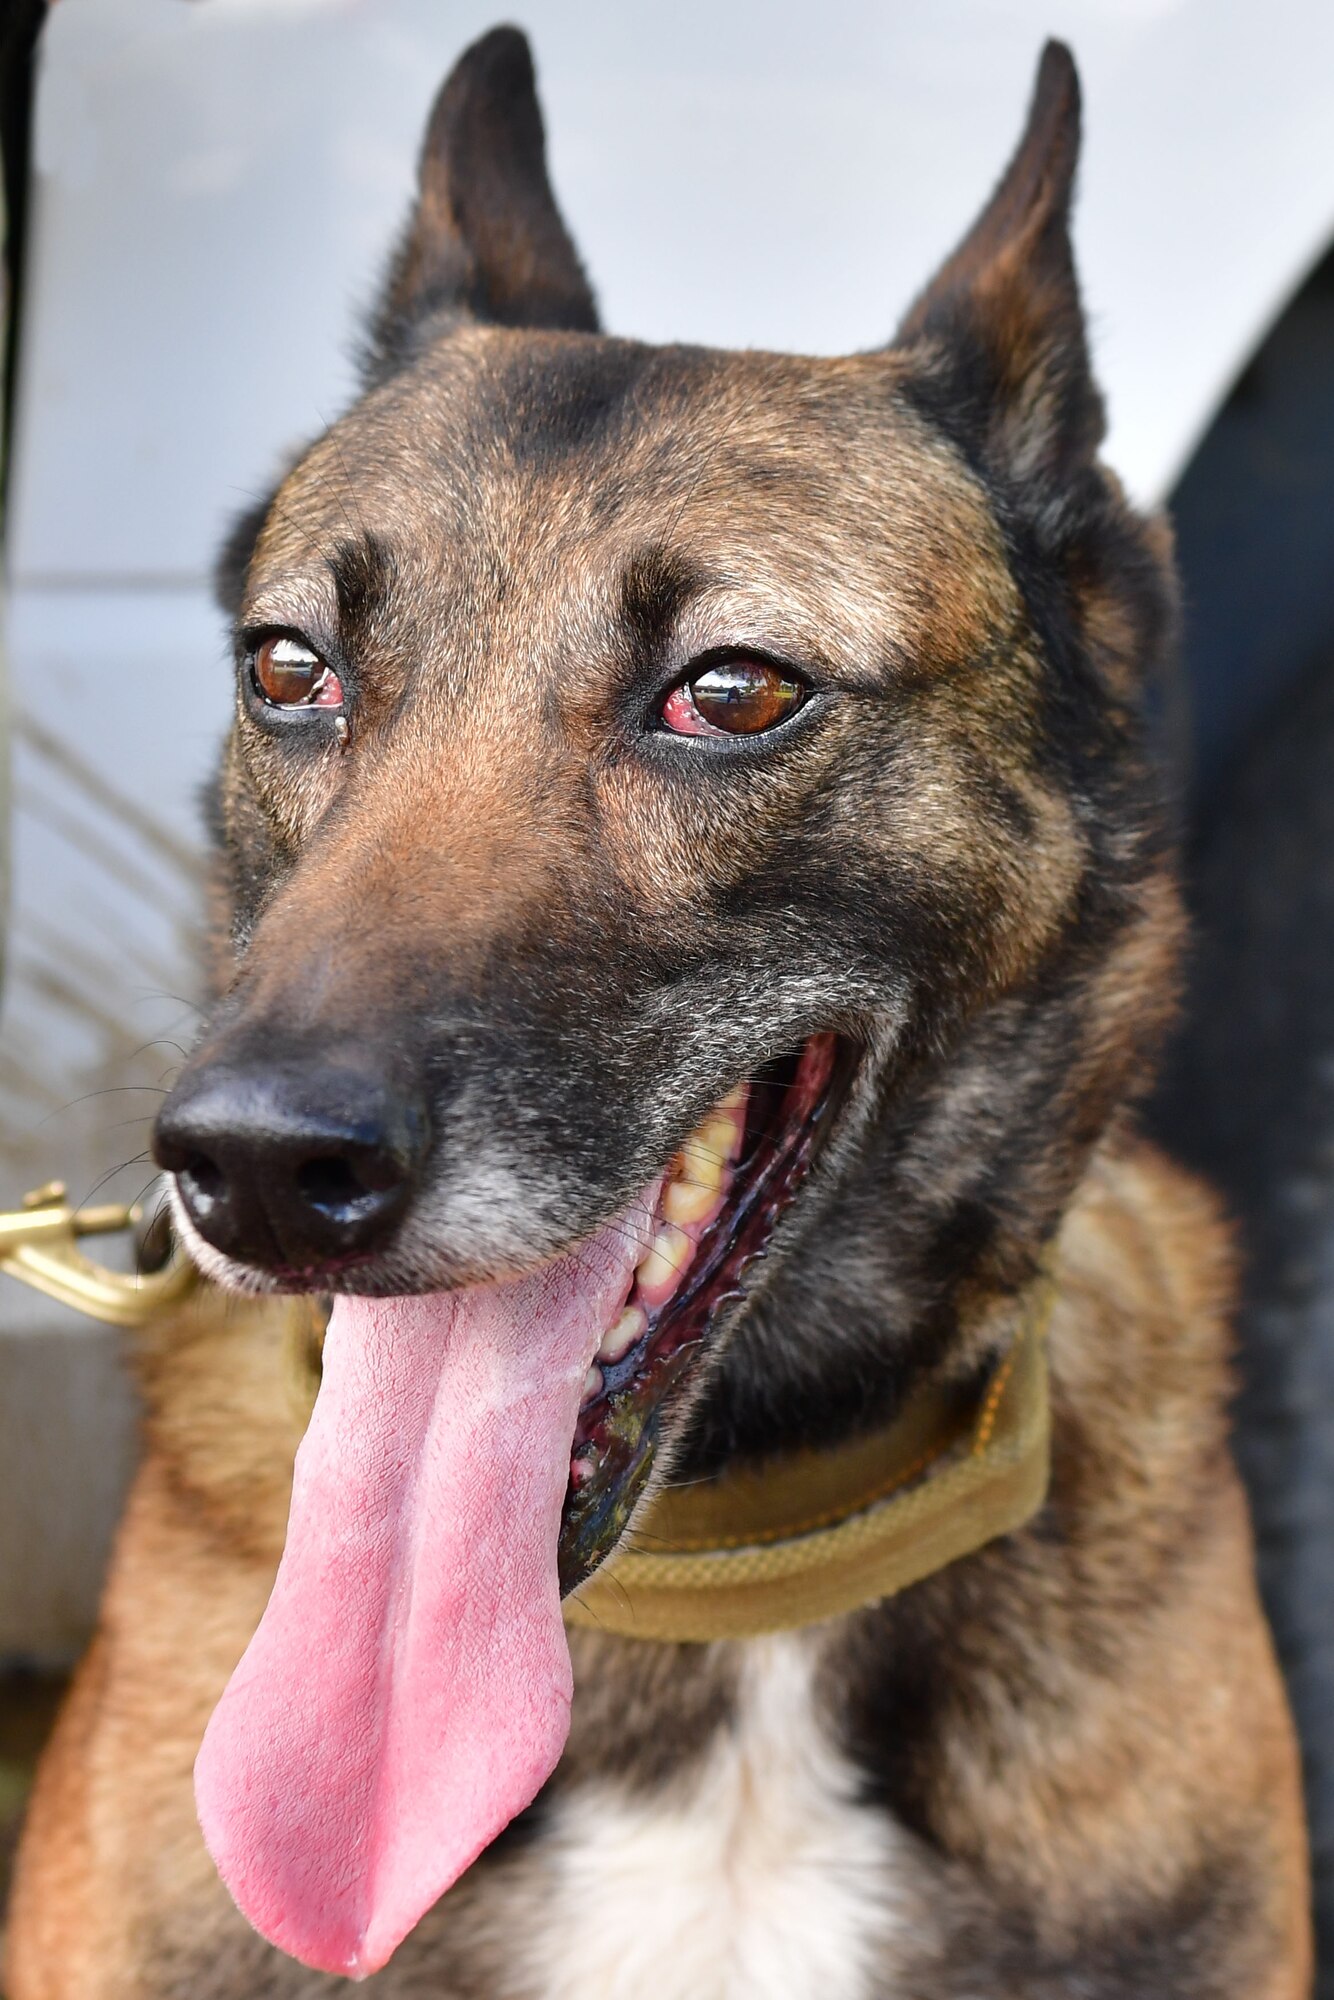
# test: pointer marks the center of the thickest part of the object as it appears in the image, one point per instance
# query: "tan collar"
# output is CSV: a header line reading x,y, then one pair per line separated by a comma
x,y
819,1533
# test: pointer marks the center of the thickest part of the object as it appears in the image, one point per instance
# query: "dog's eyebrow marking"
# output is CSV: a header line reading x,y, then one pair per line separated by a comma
x,y
655,590
363,572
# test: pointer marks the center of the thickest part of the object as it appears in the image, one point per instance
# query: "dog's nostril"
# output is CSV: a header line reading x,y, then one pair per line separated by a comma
x,y
205,1176
333,1186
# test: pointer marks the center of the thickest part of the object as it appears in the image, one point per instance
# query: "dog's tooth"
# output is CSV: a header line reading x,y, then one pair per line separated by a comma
x,y
621,1336
697,1165
699,1171
669,1253
592,1383
706,1153
689,1200
719,1135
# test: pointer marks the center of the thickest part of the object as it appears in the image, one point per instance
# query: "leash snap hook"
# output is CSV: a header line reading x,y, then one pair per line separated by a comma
x,y
39,1245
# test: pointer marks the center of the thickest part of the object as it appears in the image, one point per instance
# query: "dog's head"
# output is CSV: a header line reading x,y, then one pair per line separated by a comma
x,y
659,762
617,723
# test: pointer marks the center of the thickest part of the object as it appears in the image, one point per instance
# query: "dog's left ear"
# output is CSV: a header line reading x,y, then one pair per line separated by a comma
x,y
1005,358
485,236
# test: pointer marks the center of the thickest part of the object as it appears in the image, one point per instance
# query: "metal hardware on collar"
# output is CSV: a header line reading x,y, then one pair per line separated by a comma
x,y
39,1245
817,1534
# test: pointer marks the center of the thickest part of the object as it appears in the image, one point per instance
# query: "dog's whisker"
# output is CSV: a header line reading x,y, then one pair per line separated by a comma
x,y
89,1096
337,448
135,1160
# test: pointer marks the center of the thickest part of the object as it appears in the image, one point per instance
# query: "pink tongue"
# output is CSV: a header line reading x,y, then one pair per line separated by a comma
x,y
408,1689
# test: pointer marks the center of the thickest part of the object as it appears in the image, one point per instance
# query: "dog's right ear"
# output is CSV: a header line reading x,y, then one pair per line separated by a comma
x,y
1001,326
485,237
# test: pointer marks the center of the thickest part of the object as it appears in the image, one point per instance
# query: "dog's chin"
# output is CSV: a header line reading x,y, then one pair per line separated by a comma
x,y
714,1215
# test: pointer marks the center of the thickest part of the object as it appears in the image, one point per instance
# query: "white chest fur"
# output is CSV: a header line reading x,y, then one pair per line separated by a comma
x,y
761,1878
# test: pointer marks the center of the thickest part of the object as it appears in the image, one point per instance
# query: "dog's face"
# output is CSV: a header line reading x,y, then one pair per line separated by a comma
x,y
567,909
642,757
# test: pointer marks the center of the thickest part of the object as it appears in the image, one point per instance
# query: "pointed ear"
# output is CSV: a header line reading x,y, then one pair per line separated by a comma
x,y
1001,326
485,237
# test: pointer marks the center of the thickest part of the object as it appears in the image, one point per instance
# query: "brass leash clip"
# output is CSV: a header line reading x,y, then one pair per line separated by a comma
x,y
39,1244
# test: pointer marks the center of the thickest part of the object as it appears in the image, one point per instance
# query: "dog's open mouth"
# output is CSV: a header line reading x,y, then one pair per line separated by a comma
x,y
717,1208
472,1454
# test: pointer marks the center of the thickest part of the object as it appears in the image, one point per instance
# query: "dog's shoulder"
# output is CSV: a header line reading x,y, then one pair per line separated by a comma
x,y
1141,1341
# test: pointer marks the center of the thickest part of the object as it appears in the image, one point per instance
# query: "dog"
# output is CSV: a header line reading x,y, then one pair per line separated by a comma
x,y
695,909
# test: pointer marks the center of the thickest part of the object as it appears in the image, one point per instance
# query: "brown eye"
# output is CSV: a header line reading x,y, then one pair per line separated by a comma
x,y
290,674
735,698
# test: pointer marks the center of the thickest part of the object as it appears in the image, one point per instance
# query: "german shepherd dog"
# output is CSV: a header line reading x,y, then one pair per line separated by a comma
x,y
649,762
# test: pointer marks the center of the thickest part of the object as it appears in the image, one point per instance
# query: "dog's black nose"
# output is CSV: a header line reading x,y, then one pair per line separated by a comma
x,y
290,1166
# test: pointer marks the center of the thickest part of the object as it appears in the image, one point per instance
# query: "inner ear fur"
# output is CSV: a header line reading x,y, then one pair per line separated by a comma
x,y
485,237
1005,356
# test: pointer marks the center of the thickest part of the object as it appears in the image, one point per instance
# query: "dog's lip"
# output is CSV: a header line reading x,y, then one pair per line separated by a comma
x,y
617,1431
318,1278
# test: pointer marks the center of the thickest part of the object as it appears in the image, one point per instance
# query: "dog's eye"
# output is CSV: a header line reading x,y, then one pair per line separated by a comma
x,y
288,674
734,698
